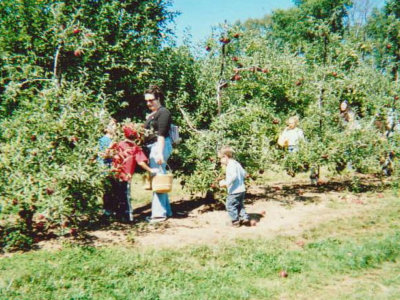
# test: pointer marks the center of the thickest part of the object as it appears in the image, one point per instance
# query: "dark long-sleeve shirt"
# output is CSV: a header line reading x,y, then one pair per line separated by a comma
x,y
160,122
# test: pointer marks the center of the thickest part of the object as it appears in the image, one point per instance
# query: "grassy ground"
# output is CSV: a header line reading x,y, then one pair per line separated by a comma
x,y
348,258
140,196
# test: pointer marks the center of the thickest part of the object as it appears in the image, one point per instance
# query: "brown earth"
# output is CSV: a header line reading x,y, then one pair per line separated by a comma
x,y
278,209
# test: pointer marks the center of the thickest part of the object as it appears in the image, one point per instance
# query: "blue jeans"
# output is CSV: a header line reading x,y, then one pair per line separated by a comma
x,y
124,207
160,206
235,207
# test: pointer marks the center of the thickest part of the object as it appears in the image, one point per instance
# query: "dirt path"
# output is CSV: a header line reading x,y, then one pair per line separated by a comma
x,y
273,218
278,210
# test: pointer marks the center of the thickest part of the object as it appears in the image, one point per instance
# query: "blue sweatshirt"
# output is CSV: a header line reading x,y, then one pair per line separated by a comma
x,y
235,175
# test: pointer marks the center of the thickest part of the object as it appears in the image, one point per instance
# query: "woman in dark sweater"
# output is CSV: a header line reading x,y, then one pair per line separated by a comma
x,y
160,146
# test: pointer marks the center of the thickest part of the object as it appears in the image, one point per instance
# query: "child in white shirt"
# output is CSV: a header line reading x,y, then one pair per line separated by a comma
x,y
291,135
234,182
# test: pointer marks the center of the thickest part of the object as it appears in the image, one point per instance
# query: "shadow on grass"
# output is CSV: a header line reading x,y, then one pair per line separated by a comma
x,y
289,193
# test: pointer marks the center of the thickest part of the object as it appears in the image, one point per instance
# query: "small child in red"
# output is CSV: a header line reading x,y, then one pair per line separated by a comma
x,y
126,155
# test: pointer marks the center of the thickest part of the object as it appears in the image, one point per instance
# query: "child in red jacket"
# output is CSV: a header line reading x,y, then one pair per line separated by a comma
x,y
126,155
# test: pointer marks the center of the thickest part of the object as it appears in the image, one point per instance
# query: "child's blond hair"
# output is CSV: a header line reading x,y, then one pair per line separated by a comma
x,y
226,151
295,120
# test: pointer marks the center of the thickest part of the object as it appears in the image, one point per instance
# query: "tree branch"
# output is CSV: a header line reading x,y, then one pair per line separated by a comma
x,y
188,122
55,67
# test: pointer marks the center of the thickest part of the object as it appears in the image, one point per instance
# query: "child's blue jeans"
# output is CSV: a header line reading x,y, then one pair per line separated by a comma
x,y
235,207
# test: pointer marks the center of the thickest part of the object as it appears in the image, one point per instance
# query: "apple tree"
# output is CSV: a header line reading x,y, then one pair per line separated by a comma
x,y
67,66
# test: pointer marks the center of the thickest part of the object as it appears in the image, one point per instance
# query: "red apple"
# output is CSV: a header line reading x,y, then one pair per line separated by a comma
x,y
236,77
389,46
39,225
396,97
33,137
266,71
235,58
78,52
76,31
236,35
275,121
225,40
358,201
334,74
283,274
74,139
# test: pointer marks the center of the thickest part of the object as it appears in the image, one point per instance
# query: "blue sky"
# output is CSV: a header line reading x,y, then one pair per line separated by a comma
x,y
200,15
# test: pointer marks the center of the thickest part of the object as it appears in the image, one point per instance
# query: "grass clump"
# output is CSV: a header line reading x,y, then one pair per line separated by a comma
x,y
353,252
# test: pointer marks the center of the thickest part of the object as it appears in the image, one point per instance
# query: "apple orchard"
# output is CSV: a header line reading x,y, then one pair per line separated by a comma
x,y
68,66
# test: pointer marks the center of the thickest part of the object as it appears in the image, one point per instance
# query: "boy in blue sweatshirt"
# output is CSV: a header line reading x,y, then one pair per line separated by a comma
x,y
234,182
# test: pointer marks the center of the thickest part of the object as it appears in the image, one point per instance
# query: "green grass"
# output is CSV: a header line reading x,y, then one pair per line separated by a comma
x,y
140,196
354,258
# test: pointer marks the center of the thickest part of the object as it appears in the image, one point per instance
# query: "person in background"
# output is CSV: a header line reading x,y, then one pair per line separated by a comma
x,y
349,123
234,182
391,127
105,159
291,135
126,155
105,142
159,145
348,117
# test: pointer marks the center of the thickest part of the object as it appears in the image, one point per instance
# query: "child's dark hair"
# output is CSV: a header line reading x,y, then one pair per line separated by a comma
x,y
156,91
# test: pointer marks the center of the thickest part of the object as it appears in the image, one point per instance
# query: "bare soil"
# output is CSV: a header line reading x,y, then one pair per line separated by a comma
x,y
277,209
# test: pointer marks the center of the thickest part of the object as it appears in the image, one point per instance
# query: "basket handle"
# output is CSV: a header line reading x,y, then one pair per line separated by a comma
x,y
166,169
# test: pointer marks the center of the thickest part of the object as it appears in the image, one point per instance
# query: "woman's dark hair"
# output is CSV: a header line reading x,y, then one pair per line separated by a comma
x,y
156,91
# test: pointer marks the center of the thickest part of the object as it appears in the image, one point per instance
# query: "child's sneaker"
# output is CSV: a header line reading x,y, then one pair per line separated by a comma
x,y
236,224
245,222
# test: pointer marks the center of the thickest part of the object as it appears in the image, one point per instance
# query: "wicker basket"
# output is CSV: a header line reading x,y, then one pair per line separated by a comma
x,y
162,183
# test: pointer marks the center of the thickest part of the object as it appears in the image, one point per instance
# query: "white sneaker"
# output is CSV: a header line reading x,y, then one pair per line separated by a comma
x,y
155,220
